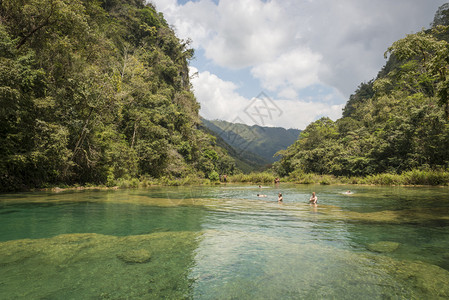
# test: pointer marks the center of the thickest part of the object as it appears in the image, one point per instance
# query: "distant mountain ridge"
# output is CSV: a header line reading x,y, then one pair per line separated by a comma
x,y
258,143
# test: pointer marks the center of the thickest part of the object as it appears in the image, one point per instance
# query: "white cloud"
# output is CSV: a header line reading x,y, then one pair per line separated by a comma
x,y
290,46
288,93
299,114
289,72
349,36
234,34
352,35
194,20
219,100
247,33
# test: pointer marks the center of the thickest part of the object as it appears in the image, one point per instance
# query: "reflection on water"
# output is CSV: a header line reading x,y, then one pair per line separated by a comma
x,y
224,242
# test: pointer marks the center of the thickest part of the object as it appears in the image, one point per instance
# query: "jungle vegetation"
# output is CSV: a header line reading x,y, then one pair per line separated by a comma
x,y
397,123
98,92
92,91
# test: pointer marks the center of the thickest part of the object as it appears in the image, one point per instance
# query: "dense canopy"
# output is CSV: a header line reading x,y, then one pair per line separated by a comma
x,y
395,123
96,90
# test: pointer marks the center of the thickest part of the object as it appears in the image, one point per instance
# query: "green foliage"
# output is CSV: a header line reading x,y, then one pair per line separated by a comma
x,y
301,177
412,177
255,145
426,177
213,176
312,152
96,92
441,16
255,177
391,127
364,92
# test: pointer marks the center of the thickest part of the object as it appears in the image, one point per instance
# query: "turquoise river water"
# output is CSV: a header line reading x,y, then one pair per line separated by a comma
x,y
224,242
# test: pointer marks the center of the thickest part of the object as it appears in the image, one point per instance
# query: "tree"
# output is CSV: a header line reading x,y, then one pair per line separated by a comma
x,y
364,91
427,63
395,123
93,91
441,16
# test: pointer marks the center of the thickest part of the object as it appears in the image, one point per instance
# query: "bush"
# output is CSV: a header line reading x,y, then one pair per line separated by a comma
x,y
262,177
413,177
384,179
426,177
213,176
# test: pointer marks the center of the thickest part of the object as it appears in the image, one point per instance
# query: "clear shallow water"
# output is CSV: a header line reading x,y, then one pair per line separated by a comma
x,y
223,242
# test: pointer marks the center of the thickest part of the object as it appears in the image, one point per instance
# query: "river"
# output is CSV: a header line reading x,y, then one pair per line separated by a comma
x,y
224,242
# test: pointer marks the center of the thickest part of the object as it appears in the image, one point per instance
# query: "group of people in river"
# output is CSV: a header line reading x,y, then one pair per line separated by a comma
x,y
313,199
280,198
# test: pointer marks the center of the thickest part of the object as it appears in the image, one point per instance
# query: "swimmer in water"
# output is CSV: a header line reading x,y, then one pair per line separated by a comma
x,y
260,195
280,198
314,199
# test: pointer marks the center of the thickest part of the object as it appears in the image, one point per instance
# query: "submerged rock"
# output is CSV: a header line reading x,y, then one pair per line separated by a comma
x,y
426,280
91,266
383,246
135,256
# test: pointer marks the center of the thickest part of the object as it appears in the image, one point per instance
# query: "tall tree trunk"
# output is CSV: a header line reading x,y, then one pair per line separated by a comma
x,y
80,140
134,133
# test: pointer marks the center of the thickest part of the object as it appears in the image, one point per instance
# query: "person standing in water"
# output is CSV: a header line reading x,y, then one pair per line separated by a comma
x,y
314,199
280,198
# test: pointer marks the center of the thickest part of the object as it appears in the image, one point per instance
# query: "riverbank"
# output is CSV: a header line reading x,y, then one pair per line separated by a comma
x,y
410,178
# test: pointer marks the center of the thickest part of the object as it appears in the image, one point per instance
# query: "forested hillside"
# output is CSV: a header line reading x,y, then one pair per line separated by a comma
x,y
245,161
259,141
395,123
96,90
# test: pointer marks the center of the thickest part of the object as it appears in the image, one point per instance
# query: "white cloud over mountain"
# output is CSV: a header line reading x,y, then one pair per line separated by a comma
x,y
291,45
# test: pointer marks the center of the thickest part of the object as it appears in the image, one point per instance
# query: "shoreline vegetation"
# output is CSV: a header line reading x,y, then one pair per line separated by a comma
x,y
97,94
409,178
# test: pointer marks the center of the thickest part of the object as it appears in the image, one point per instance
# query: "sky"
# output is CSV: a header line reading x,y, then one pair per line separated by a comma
x,y
287,63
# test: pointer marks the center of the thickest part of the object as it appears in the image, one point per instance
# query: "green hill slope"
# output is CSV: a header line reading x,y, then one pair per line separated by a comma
x,y
245,161
393,124
95,91
256,143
